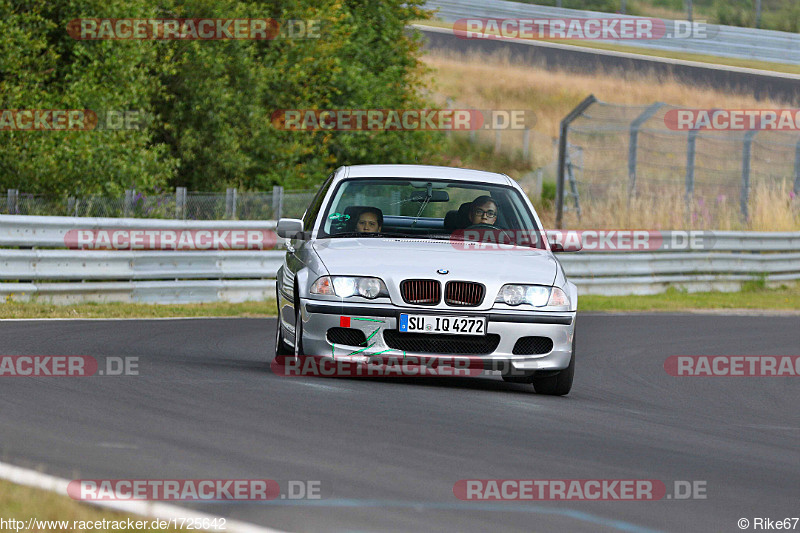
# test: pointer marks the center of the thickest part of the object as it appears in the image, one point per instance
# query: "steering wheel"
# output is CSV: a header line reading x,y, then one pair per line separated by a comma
x,y
482,226
502,234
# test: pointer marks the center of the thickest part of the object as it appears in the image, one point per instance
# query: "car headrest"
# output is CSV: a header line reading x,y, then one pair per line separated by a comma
x,y
454,220
451,220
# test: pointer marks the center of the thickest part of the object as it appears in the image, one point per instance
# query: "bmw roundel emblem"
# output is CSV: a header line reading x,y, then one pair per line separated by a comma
x,y
442,271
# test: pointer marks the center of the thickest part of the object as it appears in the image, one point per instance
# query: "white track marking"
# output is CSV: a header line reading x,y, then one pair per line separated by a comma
x,y
162,511
118,445
320,386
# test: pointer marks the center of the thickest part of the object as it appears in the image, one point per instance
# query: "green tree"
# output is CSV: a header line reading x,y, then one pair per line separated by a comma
x,y
210,101
220,99
44,68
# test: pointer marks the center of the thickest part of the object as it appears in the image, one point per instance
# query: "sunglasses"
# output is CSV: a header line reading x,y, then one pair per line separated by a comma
x,y
480,212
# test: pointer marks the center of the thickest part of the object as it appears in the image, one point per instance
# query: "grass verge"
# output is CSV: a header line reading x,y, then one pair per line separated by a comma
x,y
22,503
754,295
125,310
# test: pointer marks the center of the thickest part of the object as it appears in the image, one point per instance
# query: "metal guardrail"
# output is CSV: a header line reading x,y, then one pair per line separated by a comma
x,y
646,264
722,260
49,265
756,241
638,273
67,276
723,41
154,292
49,232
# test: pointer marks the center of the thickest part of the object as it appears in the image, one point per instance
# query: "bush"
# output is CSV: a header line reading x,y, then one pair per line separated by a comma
x,y
676,5
787,18
735,12
44,68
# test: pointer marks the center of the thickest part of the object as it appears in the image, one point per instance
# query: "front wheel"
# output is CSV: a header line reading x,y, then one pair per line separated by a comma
x,y
557,384
281,349
298,331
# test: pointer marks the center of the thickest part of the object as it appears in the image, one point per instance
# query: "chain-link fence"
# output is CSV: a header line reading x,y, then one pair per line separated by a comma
x,y
640,158
231,205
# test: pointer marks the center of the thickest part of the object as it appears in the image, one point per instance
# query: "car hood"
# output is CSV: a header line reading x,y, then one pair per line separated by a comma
x,y
411,258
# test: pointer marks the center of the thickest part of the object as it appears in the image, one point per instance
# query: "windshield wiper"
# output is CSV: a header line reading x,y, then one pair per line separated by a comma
x,y
428,196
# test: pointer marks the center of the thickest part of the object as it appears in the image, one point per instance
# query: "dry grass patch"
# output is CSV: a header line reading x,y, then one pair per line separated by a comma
x,y
493,82
771,209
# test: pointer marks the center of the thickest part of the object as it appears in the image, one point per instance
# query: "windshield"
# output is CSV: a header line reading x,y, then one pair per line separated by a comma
x,y
428,209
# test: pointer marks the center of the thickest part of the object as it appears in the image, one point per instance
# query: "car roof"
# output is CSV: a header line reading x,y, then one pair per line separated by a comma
x,y
425,171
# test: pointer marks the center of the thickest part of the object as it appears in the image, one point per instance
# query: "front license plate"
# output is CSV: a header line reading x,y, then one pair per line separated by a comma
x,y
453,325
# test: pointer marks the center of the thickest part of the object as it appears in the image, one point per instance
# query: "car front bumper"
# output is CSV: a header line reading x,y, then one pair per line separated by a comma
x,y
319,316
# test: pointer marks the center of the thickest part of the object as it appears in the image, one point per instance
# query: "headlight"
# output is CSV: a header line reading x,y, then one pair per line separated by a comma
x,y
513,294
347,286
535,295
344,287
369,287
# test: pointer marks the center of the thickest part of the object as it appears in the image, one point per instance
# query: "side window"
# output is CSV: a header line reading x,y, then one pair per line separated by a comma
x,y
313,210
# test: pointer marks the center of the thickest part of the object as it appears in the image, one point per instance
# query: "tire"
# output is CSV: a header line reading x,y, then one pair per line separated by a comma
x,y
557,384
298,331
281,348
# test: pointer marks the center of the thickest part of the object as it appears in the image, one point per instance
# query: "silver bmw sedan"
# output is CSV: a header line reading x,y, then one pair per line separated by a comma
x,y
431,262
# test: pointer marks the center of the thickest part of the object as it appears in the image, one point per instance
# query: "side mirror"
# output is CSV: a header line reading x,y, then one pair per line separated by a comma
x,y
288,228
557,247
565,240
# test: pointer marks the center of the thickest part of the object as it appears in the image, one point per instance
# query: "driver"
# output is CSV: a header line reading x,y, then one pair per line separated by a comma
x,y
370,220
483,211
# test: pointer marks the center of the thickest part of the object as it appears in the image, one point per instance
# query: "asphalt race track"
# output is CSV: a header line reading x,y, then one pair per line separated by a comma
x,y
388,452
